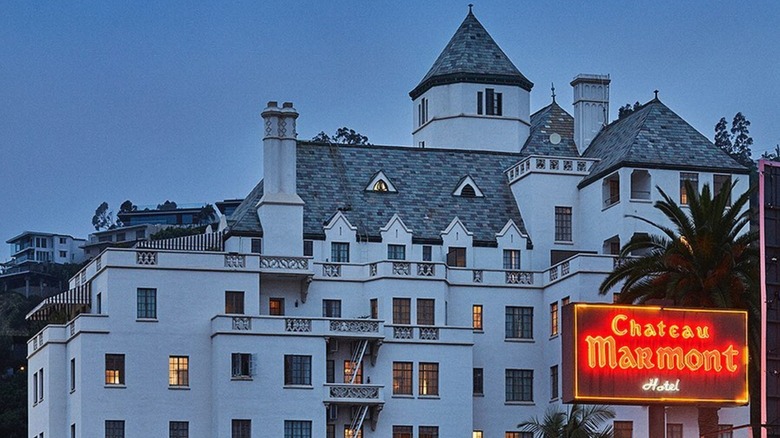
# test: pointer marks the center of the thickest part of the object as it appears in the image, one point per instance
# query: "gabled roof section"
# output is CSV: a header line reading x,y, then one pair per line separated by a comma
x,y
375,184
654,136
424,179
467,180
549,120
472,56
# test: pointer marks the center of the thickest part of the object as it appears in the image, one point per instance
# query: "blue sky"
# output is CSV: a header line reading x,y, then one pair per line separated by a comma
x,y
148,101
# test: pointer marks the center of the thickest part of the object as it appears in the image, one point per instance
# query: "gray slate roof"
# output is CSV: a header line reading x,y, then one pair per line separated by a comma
x,y
548,120
472,56
655,137
424,178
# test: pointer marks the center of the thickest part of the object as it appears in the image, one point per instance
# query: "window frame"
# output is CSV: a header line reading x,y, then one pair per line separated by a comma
x,y
339,252
456,256
693,178
297,428
519,385
426,311
178,429
402,311
554,319
235,302
396,252
554,383
623,429
478,381
115,428
477,320
276,306
519,322
240,428
297,370
241,365
428,379
331,308
178,371
146,303
403,373
512,259
427,431
114,369
564,225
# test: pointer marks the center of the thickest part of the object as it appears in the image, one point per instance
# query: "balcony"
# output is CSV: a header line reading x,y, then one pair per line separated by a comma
x,y
543,164
429,334
354,394
372,329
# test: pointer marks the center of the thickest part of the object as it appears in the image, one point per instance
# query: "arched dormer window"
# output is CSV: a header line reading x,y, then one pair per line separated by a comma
x,y
468,191
467,188
380,183
380,186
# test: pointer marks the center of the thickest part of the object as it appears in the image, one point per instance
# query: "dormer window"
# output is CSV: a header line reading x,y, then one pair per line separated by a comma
x,y
380,183
467,188
489,102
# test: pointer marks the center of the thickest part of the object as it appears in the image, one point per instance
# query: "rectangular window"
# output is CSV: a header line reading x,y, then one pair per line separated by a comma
x,y
427,253
519,322
456,257
402,310
339,252
73,374
115,369
331,308
178,429
99,299
428,379
349,433
40,385
115,429
147,303
492,102
276,306
565,301
349,368
674,430
241,429
479,102
63,241
519,385
476,316
428,432
257,246
73,430
178,371
402,378
476,434
518,435
63,254
623,429
563,224
330,371
330,431
308,248
402,431
554,382
718,183
426,310
554,318
374,308
297,370
234,302
241,365
297,429
396,252
35,389
693,179
512,259
478,381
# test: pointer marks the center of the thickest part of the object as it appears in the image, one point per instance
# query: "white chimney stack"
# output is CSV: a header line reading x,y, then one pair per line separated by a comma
x,y
280,209
591,107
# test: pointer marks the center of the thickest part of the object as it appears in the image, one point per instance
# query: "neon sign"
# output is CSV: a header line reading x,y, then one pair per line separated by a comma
x,y
647,354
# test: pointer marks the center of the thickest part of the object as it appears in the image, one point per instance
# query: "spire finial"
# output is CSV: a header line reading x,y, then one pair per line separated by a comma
x,y
471,5
656,94
553,91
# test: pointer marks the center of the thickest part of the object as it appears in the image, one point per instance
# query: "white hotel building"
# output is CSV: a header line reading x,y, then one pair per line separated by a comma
x,y
404,291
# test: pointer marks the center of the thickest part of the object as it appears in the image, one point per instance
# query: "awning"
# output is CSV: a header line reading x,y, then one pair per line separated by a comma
x,y
68,303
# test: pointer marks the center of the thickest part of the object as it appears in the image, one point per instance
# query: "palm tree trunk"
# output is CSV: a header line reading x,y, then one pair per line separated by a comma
x,y
708,421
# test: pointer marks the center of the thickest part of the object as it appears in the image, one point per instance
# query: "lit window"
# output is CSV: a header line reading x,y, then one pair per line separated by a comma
x,y
428,379
178,429
518,435
428,432
554,382
426,311
276,306
147,303
477,382
115,369
339,252
241,365
402,378
519,385
476,434
396,252
476,316
349,369
297,370
693,179
178,371
349,433
380,186
242,429
115,429
402,313
512,259
563,225
610,190
519,322
554,319
374,308
331,308
234,302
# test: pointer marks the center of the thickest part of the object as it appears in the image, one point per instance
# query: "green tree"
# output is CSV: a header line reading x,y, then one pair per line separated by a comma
x,y
103,218
704,259
127,207
772,156
206,215
735,141
577,421
343,135
167,205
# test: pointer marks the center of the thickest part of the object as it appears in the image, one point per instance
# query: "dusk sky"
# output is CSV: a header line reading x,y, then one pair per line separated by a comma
x,y
148,101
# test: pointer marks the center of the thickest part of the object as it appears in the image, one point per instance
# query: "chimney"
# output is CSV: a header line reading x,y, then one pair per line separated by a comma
x,y
280,209
591,107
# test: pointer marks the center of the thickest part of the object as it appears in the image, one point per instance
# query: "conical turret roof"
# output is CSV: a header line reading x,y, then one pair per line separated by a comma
x,y
472,56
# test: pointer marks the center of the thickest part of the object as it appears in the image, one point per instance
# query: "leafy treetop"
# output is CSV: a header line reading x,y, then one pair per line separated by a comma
x,y
343,135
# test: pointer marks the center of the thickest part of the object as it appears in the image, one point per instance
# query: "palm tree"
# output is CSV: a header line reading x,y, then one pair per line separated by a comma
x,y
705,259
578,421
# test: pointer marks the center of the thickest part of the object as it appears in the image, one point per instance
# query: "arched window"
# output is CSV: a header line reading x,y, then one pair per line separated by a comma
x,y
468,191
380,186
